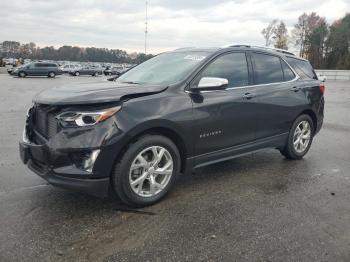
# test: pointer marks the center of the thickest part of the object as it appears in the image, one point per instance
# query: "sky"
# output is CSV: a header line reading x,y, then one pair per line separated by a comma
x,y
171,24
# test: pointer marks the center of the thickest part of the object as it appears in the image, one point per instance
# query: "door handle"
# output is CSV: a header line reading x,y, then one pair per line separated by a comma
x,y
248,96
295,89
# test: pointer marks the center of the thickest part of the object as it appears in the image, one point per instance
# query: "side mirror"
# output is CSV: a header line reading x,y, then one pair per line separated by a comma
x,y
211,83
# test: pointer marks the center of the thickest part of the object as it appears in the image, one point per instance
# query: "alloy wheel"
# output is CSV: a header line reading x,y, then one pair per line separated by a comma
x,y
302,136
151,171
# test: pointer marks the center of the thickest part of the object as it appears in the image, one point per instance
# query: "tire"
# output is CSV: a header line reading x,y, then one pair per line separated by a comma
x,y
76,73
22,74
51,74
95,74
141,194
299,141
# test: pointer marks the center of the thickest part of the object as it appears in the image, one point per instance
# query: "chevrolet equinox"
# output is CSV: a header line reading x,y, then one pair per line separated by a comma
x,y
169,115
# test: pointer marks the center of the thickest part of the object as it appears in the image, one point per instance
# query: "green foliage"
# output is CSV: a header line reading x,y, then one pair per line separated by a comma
x,y
281,36
338,45
323,45
70,53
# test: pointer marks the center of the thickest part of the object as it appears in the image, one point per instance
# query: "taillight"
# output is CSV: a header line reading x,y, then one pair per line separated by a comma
x,y
322,87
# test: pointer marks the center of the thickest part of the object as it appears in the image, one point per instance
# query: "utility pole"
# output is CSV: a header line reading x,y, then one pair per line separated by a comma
x,y
146,28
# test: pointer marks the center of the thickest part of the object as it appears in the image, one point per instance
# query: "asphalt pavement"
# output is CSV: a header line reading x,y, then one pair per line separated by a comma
x,y
260,207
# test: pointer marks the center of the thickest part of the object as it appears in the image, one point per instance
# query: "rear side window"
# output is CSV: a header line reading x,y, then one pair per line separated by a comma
x,y
267,69
232,66
302,67
287,72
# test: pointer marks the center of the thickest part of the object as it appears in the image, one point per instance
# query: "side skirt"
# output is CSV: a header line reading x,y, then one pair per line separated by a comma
x,y
235,151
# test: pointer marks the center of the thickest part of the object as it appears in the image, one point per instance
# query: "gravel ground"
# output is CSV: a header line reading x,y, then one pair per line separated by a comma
x,y
259,207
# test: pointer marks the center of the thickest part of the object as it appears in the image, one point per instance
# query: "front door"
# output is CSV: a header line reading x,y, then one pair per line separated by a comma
x,y
224,118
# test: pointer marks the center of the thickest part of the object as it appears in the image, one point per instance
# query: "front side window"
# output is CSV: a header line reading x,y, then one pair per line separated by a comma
x,y
267,69
231,66
164,69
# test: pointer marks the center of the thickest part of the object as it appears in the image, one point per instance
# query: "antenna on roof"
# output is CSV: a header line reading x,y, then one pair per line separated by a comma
x,y
146,27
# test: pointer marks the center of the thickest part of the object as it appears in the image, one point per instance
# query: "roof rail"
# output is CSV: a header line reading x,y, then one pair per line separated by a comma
x,y
275,49
184,48
262,47
235,45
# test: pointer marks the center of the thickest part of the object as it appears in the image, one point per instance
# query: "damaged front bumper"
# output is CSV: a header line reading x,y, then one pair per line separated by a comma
x,y
38,158
79,159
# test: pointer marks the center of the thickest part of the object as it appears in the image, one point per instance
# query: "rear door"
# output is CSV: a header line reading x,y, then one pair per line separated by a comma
x,y
41,69
224,118
278,92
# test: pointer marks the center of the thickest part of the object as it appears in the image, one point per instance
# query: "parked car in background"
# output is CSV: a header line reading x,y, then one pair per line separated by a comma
x,y
37,69
93,71
175,112
322,77
10,69
115,77
115,70
69,68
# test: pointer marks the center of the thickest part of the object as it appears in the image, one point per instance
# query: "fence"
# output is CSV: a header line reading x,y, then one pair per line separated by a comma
x,y
343,75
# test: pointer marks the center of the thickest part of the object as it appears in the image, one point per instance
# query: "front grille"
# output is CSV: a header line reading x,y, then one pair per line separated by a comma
x,y
43,123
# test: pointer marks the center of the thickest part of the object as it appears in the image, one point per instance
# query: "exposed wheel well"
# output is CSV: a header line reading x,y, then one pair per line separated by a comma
x,y
312,115
167,132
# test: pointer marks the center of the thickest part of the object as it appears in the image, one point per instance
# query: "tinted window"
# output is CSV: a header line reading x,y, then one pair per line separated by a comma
x,y
302,67
51,65
287,72
267,69
40,65
231,66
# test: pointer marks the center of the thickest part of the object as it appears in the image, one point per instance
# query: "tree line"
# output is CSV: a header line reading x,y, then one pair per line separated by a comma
x,y
13,49
326,46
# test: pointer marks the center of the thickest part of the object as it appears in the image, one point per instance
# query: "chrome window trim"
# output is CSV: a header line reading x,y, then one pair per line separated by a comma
x,y
297,77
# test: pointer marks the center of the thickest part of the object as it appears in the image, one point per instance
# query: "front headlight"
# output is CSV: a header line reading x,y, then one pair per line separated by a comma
x,y
72,118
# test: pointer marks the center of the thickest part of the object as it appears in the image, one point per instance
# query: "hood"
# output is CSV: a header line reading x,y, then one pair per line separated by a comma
x,y
92,93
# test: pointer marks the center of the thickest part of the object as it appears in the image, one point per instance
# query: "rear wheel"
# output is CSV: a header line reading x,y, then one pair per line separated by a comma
x,y
300,138
51,74
146,171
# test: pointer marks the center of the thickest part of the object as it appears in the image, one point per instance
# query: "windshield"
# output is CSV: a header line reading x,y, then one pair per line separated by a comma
x,y
164,69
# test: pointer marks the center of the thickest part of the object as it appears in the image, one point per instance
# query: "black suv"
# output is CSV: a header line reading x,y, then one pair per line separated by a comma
x,y
175,112
37,69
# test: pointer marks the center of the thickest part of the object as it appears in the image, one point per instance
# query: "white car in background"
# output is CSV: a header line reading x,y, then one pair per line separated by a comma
x,y
69,68
321,77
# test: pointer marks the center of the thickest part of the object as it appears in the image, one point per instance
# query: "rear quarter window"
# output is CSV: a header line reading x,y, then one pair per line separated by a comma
x,y
302,67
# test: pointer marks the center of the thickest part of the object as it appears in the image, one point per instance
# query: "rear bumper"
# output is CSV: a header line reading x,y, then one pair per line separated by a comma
x,y
35,157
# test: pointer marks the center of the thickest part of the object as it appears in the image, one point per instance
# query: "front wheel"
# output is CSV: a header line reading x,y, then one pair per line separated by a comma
x,y
22,74
300,138
146,171
76,73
